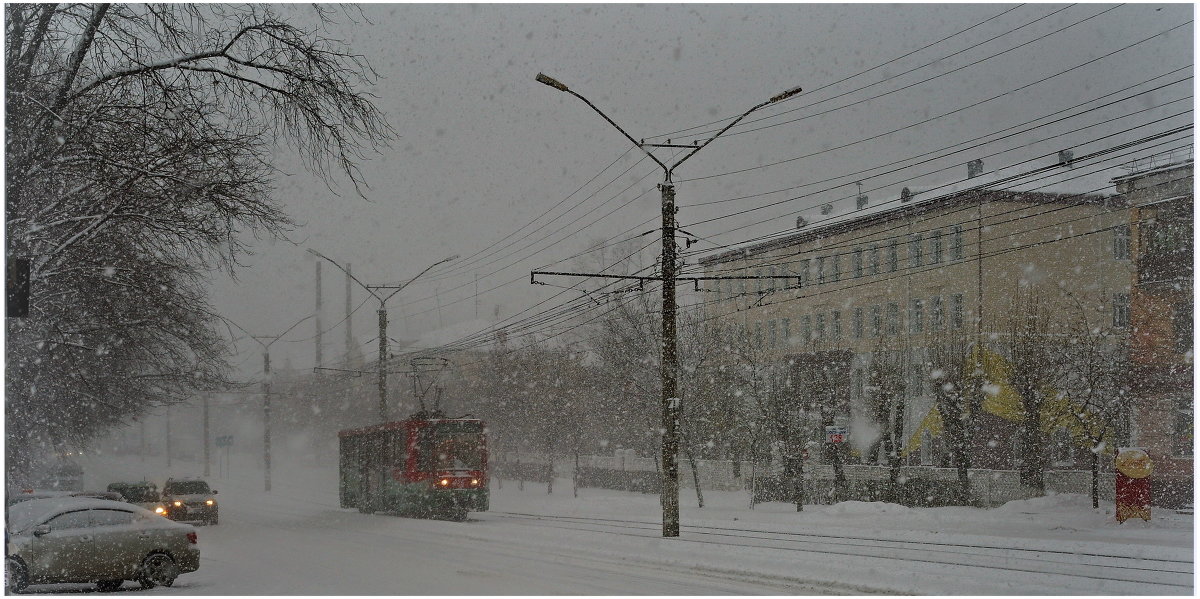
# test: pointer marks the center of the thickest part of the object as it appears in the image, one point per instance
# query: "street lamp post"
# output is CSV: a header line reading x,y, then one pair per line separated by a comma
x,y
670,366
383,320
266,392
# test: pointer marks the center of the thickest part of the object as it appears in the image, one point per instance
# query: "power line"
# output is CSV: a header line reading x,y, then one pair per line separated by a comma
x,y
1044,79
844,79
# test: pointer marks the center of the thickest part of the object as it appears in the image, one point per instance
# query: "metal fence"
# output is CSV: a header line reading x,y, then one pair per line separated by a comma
x,y
926,485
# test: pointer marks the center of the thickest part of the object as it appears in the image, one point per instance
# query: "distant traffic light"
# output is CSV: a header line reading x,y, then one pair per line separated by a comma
x,y
16,302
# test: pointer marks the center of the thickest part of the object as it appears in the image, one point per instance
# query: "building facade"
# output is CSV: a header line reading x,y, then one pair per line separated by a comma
x,y
1161,317
896,278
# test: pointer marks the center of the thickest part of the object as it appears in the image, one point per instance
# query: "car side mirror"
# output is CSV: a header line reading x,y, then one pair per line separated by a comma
x,y
41,530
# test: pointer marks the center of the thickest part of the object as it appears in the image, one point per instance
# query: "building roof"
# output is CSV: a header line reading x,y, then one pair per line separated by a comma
x,y
1057,185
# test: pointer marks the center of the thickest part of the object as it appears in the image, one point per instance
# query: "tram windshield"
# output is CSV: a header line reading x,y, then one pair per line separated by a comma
x,y
452,447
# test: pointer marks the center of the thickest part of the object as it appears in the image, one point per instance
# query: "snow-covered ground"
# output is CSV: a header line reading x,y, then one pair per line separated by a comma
x,y
296,540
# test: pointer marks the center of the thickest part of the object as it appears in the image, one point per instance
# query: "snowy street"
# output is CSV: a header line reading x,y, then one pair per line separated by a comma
x,y
296,540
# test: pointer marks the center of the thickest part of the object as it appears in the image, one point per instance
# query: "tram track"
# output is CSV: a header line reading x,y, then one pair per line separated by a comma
x,y
1171,573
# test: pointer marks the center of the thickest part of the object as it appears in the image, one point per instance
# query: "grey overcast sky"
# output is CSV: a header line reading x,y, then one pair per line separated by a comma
x,y
485,150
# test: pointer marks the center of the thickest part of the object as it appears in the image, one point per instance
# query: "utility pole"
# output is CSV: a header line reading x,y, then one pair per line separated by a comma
x,y
266,391
167,420
383,320
206,466
318,360
670,362
349,314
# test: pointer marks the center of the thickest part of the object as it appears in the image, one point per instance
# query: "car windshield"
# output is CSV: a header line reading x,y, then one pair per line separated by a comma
x,y
187,487
140,493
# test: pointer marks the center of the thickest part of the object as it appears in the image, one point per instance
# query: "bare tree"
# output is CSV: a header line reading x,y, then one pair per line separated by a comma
x,y
1096,387
1032,346
887,390
136,162
952,371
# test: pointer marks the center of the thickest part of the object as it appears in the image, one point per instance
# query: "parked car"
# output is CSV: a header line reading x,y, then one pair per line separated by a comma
x,y
142,494
190,499
28,494
84,540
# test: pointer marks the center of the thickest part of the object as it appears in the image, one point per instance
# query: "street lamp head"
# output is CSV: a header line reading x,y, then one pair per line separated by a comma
x,y
551,81
785,95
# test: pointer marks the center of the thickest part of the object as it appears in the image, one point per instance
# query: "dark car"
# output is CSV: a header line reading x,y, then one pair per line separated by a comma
x,y
190,500
140,493
84,540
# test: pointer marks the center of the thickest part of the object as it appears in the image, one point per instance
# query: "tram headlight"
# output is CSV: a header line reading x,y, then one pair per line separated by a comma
x,y
445,482
208,502
474,482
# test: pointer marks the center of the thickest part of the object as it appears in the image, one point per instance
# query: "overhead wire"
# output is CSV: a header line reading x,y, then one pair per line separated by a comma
x,y
986,188
898,75
973,105
886,185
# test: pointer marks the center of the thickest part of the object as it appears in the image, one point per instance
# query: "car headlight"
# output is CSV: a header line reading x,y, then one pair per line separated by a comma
x,y
178,504
160,510
209,502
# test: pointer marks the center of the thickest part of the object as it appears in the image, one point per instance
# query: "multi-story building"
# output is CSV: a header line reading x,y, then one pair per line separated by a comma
x,y
1160,196
893,276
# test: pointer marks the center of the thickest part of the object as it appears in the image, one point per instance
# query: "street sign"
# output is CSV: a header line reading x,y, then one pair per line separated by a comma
x,y
837,434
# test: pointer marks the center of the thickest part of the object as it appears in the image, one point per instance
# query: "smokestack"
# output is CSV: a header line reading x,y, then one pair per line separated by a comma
x,y
974,168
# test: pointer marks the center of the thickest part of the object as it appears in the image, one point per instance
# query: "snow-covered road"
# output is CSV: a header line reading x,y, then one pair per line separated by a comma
x,y
296,540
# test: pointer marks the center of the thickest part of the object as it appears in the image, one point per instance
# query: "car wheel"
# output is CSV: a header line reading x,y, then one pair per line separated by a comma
x,y
108,586
157,569
16,578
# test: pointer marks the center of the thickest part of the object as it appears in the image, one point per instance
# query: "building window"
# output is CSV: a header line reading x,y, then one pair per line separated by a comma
x,y
1120,310
787,331
1184,426
956,312
820,269
836,260
893,256
758,334
914,250
858,262
893,319
771,333
956,243
937,313
858,323
821,325
916,316
874,259
1121,242
835,325
876,321
741,287
758,277
802,280
806,328
771,281
935,247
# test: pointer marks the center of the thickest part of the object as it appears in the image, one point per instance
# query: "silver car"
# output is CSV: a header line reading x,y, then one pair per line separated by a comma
x,y
81,540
